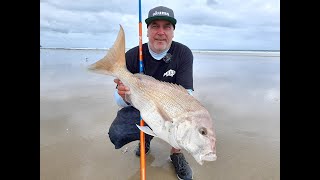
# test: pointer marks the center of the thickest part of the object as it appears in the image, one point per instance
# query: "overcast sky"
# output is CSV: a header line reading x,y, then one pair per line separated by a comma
x,y
201,24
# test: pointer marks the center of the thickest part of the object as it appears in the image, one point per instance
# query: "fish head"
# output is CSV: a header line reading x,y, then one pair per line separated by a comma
x,y
196,134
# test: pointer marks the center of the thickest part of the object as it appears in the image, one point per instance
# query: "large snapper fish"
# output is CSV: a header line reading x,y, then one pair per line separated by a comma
x,y
173,115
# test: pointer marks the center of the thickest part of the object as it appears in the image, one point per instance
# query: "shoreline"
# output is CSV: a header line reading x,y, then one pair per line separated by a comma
x,y
267,53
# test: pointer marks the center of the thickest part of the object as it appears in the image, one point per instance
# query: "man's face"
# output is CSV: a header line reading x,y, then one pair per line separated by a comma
x,y
160,34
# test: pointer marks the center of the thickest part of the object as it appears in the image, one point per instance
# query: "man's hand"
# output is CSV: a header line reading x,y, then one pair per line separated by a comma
x,y
122,89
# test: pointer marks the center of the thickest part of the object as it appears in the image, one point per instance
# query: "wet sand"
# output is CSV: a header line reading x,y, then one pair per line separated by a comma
x,y
75,117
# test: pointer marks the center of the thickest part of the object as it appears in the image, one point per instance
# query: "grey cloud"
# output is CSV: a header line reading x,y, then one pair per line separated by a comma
x,y
78,22
199,16
119,6
236,14
211,2
201,24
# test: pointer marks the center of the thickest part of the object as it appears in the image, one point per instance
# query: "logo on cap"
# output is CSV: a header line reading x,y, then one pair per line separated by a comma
x,y
160,13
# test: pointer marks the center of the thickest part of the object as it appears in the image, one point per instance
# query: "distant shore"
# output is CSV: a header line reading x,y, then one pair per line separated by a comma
x,y
275,53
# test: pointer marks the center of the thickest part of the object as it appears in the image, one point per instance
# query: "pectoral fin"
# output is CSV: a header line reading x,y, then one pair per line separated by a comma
x,y
146,130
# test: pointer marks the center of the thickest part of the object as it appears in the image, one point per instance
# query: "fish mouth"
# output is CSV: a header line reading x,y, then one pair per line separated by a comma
x,y
209,157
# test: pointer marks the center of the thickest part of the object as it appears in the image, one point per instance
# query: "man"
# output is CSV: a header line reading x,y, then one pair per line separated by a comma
x,y
165,60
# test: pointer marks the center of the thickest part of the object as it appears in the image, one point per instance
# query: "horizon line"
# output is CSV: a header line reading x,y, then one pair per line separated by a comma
x,y
82,48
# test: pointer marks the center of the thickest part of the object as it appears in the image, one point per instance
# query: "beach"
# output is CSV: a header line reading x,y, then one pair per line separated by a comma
x,y
240,90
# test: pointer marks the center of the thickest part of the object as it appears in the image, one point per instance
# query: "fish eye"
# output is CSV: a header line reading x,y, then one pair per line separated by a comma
x,y
203,131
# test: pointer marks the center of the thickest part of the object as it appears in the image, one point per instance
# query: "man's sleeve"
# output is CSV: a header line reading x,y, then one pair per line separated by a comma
x,y
184,75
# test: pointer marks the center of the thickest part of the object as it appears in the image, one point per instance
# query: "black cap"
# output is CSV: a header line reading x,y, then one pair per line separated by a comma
x,y
161,13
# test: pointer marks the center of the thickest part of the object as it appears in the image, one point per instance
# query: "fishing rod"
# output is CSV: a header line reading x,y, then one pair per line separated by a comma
x,y
142,137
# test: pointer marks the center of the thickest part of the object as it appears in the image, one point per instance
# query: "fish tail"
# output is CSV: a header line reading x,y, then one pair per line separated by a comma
x,y
114,60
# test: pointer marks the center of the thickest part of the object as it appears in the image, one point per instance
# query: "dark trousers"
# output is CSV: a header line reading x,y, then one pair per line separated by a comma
x,y
123,129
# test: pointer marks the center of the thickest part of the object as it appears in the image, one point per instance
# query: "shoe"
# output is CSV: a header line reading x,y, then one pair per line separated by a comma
x,y
147,148
181,166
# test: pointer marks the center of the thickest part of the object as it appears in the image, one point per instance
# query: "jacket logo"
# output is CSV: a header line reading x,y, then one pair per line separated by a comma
x,y
169,73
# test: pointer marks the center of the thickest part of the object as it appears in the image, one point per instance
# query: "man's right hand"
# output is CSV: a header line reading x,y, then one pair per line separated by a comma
x,y
122,89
